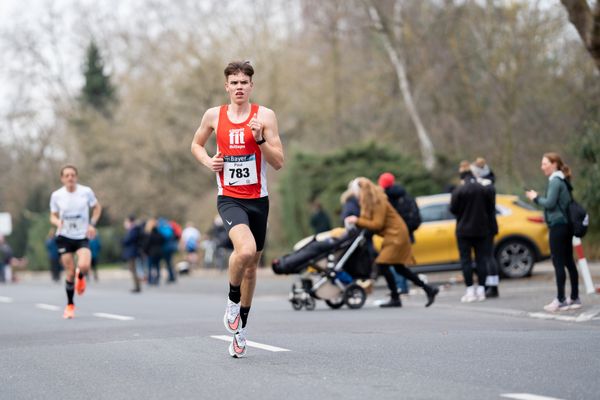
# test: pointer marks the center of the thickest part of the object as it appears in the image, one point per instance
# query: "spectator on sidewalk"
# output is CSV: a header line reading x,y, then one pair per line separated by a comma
x,y
485,177
95,247
407,208
6,260
53,256
189,243
472,204
131,254
319,220
556,203
153,248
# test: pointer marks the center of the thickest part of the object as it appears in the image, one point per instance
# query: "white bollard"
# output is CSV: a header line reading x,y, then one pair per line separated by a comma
x,y
583,266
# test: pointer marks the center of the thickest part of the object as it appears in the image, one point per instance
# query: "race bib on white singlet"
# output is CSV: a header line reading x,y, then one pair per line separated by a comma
x,y
74,225
240,170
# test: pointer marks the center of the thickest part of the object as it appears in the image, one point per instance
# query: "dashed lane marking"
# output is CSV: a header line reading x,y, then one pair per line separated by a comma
x,y
251,344
4,299
527,396
47,307
114,316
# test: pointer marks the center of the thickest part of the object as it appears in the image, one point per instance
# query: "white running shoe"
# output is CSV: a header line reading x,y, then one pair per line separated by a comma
x,y
231,319
574,304
556,305
237,348
469,296
480,293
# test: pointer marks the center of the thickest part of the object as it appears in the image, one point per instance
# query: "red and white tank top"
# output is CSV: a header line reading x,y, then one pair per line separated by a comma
x,y
244,173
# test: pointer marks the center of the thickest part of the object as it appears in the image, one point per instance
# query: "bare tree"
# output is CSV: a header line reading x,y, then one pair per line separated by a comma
x,y
587,24
395,55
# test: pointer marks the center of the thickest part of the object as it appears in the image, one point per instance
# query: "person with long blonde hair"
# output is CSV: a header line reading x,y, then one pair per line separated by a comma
x,y
380,217
555,204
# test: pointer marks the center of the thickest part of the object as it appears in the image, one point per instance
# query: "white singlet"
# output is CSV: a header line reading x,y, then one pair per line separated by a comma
x,y
73,209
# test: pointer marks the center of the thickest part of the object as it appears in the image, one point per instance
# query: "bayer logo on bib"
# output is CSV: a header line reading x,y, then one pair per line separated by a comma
x,y
240,170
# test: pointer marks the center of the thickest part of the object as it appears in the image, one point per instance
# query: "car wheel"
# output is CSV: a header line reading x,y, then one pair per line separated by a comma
x,y
515,259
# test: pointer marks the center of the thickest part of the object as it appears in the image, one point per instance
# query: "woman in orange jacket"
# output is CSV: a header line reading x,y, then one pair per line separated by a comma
x,y
379,216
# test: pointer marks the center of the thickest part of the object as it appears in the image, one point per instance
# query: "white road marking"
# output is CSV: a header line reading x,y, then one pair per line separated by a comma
x,y
114,316
4,299
47,307
527,396
251,344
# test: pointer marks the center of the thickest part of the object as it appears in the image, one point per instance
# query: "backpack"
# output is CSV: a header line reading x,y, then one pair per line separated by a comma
x,y
576,215
165,229
409,211
176,229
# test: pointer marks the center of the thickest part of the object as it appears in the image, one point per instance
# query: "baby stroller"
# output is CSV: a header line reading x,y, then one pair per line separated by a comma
x,y
329,270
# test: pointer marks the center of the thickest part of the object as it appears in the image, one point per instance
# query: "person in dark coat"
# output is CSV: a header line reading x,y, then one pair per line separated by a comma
x,y
319,220
53,256
472,204
130,243
486,177
153,247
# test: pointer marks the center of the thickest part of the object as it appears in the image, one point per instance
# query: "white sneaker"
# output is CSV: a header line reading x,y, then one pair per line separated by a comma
x,y
469,296
480,293
237,348
574,304
231,319
556,305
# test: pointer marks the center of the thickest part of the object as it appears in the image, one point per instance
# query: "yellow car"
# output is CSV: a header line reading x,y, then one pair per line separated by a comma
x,y
521,241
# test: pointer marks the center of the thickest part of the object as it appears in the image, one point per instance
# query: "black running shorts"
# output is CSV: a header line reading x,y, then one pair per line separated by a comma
x,y
251,212
66,245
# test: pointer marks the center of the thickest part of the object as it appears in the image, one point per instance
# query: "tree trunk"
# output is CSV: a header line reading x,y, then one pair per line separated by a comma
x,y
587,25
427,150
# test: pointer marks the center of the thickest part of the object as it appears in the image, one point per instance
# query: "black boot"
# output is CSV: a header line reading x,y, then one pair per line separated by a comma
x,y
491,291
431,293
393,302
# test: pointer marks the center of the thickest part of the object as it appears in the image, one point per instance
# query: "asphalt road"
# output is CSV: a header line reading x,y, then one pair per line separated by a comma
x,y
161,345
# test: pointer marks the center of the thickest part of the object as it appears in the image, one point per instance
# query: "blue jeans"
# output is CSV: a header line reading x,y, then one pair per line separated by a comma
x,y
401,281
153,270
168,257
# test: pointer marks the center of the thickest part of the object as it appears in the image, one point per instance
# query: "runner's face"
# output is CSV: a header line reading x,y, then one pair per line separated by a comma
x,y
69,178
239,86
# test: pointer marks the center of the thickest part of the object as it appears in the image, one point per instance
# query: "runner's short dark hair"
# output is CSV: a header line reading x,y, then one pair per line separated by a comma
x,y
68,166
239,66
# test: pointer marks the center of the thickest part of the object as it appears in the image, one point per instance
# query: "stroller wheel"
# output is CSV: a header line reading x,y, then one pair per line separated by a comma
x,y
355,296
296,304
335,303
310,304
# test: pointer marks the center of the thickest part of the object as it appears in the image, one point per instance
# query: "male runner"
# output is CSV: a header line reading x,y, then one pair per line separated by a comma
x,y
69,212
247,139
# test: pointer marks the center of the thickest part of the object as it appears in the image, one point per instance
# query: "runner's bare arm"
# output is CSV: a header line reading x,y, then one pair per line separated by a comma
x,y
272,149
55,220
96,213
206,128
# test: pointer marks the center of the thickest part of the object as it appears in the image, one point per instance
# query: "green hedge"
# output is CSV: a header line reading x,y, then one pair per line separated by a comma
x,y
325,177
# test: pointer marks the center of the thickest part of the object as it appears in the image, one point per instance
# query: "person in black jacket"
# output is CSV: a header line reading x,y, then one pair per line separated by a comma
x,y
472,204
153,243
486,177
130,243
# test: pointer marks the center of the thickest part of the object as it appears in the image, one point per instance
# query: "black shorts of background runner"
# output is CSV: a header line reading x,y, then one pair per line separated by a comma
x,y
251,212
66,245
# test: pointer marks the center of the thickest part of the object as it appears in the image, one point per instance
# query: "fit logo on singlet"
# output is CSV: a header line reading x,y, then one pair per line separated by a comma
x,y
236,139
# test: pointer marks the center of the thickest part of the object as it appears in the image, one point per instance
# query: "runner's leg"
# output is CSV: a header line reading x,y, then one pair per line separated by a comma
x,y
243,255
69,264
84,260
